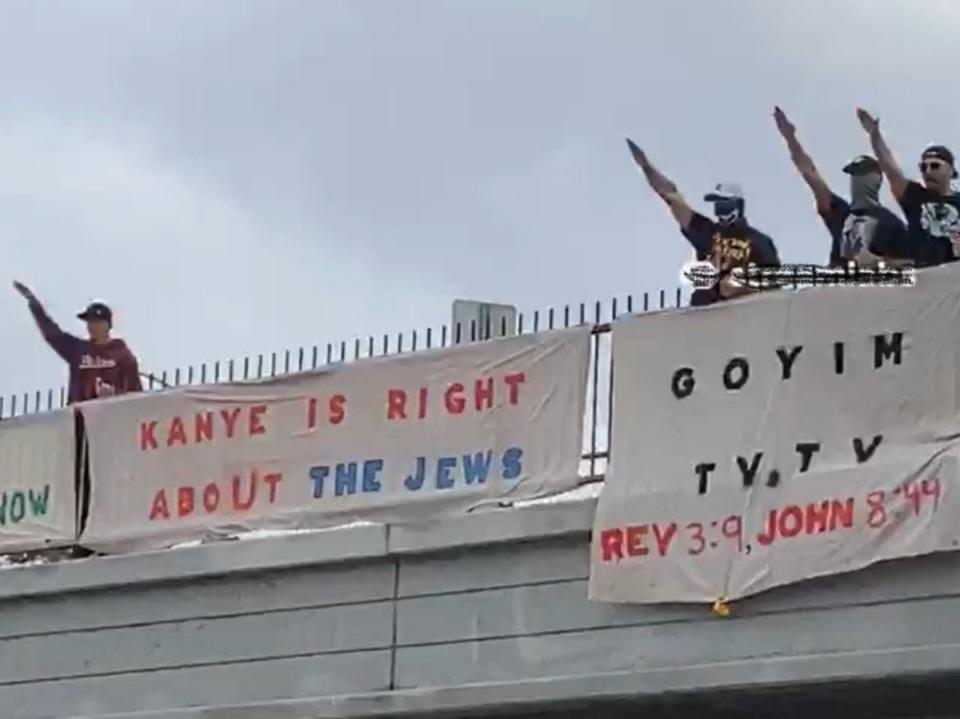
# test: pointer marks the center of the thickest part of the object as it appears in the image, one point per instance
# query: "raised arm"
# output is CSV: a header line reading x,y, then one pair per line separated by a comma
x,y
803,162
888,163
663,187
61,342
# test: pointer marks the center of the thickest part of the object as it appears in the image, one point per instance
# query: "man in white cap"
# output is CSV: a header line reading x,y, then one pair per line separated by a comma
x,y
726,243
862,230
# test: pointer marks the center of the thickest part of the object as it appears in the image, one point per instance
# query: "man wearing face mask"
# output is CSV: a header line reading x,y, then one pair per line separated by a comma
x,y
933,208
863,231
727,243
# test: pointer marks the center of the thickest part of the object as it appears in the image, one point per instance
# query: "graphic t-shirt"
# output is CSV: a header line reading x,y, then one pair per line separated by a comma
x,y
91,365
727,246
864,236
933,223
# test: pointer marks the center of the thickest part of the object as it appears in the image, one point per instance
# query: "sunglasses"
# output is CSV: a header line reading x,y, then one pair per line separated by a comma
x,y
932,166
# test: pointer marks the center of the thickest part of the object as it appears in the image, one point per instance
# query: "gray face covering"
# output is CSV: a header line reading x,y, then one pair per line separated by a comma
x,y
865,191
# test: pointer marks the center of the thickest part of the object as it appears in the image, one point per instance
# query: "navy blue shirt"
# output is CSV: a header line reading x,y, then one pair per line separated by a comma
x,y
727,246
931,220
876,230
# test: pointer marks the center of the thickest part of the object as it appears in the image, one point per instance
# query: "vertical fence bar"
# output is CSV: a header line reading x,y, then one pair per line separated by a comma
x,y
399,342
429,338
36,402
520,324
216,371
313,357
260,366
386,344
550,316
273,364
286,362
343,351
486,328
663,299
413,343
246,367
595,402
13,405
370,347
646,301
300,360
230,367
63,397
679,296
456,340
443,335
176,377
329,353
163,380
203,373
356,348
629,304
536,321
49,401
1,407
473,330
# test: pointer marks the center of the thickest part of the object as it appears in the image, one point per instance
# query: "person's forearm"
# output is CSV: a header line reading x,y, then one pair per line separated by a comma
x,y
48,328
888,162
658,181
802,161
61,342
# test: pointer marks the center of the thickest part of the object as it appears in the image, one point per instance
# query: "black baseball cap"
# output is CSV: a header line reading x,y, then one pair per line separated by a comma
x,y
862,165
940,152
96,311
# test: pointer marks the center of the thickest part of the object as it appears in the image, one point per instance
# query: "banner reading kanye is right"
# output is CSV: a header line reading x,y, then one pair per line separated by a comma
x,y
786,436
399,438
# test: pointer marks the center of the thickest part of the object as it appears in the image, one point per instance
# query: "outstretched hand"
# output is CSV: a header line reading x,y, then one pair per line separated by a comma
x,y
786,128
25,291
870,123
639,156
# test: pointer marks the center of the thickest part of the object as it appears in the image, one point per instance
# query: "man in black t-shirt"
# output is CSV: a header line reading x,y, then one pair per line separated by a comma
x,y
933,208
728,242
862,230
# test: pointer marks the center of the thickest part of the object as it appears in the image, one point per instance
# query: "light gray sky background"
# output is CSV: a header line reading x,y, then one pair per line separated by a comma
x,y
236,177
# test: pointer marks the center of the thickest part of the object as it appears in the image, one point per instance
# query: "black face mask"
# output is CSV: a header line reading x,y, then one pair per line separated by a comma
x,y
728,212
865,190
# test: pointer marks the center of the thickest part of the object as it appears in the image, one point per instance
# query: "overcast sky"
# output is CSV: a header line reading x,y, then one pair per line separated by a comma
x,y
236,177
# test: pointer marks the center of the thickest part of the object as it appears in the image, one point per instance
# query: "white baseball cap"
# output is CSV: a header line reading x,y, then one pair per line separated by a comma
x,y
725,191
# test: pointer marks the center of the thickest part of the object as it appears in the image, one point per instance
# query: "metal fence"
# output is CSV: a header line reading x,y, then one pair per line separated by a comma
x,y
597,424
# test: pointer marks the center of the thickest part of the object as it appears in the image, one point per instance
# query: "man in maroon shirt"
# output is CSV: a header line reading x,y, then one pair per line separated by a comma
x,y
100,366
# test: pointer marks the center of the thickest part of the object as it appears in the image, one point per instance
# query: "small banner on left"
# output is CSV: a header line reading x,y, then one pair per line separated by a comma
x,y
37,482
400,438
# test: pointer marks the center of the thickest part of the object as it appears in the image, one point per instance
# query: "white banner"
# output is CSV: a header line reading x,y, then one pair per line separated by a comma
x,y
768,440
37,481
401,438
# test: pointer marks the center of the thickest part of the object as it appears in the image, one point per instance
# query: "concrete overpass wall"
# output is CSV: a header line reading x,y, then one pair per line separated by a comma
x,y
488,611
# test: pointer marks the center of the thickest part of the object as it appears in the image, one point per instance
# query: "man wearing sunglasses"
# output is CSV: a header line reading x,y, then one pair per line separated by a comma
x,y
863,231
727,243
933,208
